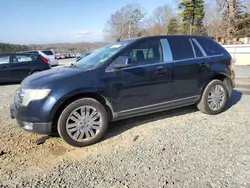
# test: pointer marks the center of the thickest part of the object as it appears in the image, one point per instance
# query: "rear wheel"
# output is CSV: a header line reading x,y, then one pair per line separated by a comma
x,y
214,98
83,122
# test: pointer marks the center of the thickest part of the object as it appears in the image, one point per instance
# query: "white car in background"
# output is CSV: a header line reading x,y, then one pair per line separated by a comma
x,y
45,53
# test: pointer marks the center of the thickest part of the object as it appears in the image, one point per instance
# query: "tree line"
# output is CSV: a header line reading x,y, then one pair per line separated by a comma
x,y
8,48
60,47
224,20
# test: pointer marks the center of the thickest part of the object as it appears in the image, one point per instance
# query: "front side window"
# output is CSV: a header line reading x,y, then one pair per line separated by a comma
x,y
4,59
147,52
99,56
181,48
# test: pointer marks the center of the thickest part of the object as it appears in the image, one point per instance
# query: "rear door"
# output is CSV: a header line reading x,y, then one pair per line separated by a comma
x,y
22,65
207,56
4,68
185,68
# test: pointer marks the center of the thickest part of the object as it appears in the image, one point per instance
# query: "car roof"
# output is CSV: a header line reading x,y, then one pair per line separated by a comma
x,y
19,53
161,36
35,50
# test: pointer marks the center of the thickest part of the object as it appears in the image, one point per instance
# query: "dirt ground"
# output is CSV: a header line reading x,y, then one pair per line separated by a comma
x,y
214,149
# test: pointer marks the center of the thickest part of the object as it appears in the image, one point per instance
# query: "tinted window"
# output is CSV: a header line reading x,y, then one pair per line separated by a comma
x,y
181,48
197,50
146,52
4,59
23,58
209,46
48,52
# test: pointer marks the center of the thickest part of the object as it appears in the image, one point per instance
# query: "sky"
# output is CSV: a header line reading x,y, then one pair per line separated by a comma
x,y
60,21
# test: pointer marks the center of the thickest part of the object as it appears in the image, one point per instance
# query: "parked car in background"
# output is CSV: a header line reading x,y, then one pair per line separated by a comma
x,y
46,53
81,55
67,55
58,56
62,56
15,67
122,80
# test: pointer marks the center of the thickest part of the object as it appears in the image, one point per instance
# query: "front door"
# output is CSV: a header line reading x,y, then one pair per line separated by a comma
x,y
146,82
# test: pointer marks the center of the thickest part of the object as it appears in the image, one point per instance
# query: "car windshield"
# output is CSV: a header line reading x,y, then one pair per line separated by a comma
x,y
99,56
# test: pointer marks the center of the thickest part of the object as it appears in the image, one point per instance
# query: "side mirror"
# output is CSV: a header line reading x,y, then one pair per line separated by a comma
x,y
122,62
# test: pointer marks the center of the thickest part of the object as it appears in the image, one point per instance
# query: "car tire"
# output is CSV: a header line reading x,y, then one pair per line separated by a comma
x,y
214,99
76,125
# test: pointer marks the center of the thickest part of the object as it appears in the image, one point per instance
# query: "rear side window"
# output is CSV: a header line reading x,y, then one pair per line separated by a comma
x,y
4,59
210,46
24,58
47,52
181,48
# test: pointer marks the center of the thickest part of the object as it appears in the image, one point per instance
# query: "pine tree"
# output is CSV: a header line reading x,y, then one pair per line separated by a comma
x,y
192,16
173,26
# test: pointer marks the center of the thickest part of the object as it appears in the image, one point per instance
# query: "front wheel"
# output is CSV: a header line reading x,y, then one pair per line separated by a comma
x,y
83,122
214,98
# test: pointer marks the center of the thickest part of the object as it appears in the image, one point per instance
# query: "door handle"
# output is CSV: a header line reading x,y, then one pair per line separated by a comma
x,y
161,70
204,64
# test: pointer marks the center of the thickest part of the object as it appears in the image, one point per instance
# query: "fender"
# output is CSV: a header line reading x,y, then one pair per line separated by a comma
x,y
81,93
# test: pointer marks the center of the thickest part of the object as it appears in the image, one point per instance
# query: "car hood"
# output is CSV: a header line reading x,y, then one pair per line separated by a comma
x,y
38,80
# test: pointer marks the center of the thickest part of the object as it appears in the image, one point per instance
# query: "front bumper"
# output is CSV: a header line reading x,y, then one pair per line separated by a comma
x,y
35,127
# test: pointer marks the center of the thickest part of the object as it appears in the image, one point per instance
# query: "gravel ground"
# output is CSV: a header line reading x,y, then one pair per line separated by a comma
x,y
178,148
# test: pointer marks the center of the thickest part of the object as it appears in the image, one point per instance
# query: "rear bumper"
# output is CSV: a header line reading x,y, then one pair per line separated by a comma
x,y
54,62
35,127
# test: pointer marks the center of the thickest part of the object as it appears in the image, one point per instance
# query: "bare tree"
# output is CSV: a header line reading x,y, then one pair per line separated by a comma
x,y
157,24
125,23
232,14
213,21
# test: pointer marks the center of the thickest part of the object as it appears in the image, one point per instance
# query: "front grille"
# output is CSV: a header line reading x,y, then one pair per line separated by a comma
x,y
20,94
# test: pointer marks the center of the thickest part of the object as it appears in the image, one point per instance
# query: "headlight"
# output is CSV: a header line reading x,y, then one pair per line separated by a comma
x,y
34,94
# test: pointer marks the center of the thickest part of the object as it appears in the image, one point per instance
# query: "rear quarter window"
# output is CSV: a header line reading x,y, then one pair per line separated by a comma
x,y
24,58
181,48
47,52
210,46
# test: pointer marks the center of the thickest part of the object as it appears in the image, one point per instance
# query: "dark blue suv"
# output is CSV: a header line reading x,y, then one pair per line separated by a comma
x,y
123,80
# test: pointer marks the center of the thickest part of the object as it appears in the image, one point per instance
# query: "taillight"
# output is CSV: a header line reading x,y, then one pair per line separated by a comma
x,y
55,57
45,60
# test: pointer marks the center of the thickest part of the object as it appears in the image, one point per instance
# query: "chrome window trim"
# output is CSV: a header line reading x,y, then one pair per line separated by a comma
x,y
167,52
167,62
200,47
192,47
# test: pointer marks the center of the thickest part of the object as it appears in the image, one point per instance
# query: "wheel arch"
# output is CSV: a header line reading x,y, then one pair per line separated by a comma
x,y
219,76
100,98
